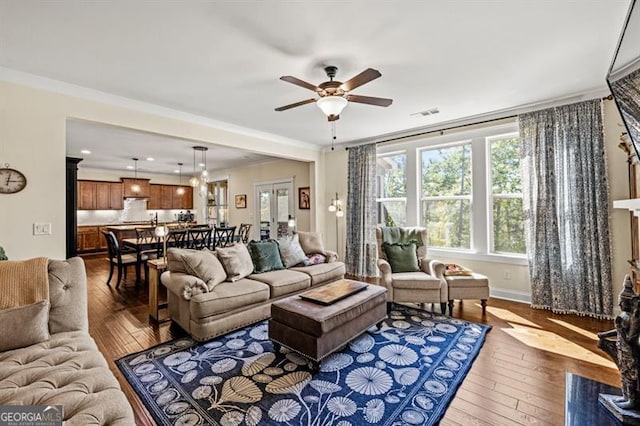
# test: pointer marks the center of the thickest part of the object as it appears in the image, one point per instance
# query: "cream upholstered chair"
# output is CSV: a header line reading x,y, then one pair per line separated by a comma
x,y
427,285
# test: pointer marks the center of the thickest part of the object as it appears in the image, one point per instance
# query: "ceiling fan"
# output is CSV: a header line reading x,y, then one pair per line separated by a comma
x,y
334,95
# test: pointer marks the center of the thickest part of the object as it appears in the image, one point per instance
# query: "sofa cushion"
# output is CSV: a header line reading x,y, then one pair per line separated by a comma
x,y
65,370
402,256
311,242
283,281
24,325
323,272
291,251
200,263
265,256
236,261
415,281
68,296
228,296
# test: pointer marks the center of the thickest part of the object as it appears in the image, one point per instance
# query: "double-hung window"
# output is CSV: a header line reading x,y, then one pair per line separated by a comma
x,y
391,189
446,189
505,202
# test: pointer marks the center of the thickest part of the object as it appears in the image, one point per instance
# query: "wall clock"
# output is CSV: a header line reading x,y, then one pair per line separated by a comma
x,y
11,180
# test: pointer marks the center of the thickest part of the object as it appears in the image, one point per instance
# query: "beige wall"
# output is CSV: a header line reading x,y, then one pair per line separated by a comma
x,y
33,137
335,180
242,180
517,287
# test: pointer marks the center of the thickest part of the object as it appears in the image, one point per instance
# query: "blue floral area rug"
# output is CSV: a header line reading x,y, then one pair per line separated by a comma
x,y
406,373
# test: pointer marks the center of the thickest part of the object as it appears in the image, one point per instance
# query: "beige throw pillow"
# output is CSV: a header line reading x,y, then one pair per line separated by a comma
x,y
290,251
236,261
200,263
311,243
24,325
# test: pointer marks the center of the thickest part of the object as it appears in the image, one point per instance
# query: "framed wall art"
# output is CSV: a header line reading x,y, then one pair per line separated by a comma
x,y
304,198
241,201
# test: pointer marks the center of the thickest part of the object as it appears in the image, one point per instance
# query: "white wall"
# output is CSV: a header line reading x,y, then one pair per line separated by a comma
x,y
242,180
33,138
517,286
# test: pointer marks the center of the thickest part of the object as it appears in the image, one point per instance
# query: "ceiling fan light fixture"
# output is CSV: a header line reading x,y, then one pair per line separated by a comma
x,y
332,105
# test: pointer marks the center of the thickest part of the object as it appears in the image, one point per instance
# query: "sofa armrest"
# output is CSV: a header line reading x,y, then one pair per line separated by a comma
x,y
184,285
432,267
332,256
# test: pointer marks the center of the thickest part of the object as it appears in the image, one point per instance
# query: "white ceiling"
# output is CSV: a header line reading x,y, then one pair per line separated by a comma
x,y
222,59
112,148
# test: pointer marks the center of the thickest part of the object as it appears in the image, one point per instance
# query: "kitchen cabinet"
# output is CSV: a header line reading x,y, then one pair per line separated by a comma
x,y
155,195
187,199
116,195
86,195
167,197
144,188
89,239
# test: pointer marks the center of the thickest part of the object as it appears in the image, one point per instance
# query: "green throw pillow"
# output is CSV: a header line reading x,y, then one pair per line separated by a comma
x,y
402,256
265,256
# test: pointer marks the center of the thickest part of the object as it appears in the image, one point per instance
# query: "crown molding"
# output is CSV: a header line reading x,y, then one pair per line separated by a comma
x,y
31,80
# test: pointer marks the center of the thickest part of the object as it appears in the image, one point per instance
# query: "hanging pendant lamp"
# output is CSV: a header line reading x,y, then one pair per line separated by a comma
x,y
135,188
180,190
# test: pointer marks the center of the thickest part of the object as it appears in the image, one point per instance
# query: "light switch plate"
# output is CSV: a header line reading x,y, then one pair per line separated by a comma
x,y
41,229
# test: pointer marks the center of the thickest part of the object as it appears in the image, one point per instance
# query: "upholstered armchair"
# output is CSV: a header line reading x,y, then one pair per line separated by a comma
x,y
421,283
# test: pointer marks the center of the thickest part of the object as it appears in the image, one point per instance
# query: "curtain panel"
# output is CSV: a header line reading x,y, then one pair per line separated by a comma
x,y
361,250
566,202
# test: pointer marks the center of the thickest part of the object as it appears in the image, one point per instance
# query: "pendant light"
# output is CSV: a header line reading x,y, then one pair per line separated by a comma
x,y
135,188
194,180
180,190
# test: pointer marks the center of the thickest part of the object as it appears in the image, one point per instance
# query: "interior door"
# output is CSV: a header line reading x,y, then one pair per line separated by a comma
x,y
274,204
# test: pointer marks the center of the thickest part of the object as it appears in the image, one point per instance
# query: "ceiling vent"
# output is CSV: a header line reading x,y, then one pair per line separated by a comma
x,y
431,111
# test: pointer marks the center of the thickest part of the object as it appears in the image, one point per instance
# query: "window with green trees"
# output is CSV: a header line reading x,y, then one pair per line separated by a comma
x,y
446,188
507,215
391,189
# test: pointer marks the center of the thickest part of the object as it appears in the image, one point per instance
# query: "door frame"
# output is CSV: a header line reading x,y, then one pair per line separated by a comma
x,y
290,182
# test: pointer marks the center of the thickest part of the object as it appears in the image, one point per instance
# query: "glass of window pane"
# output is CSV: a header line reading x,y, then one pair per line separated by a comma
x,y
392,212
505,166
446,171
508,225
391,172
448,222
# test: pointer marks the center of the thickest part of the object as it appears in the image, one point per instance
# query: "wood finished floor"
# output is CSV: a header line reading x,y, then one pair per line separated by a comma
x,y
517,379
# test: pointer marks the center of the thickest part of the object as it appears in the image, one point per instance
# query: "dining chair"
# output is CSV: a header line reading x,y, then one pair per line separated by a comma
x,y
223,237
121,258
147,238
199,238
177,238
243,232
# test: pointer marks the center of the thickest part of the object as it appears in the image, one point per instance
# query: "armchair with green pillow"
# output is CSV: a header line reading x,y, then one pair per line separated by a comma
x,y
406,271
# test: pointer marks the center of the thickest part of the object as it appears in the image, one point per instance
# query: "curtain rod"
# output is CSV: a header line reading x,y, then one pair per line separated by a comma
x,y
441,131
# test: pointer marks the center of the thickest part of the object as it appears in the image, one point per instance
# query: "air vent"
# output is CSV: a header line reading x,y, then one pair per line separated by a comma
x,y
427,112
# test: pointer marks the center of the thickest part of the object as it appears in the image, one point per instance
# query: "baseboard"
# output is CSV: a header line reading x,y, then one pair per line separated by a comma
x,y
512,295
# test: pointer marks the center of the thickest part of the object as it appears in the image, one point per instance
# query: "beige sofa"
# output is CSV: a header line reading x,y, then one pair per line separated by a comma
x,y
67,369
231,305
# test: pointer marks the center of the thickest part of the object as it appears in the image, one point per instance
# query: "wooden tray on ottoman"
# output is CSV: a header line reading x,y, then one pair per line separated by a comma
x,y
331,293
316,330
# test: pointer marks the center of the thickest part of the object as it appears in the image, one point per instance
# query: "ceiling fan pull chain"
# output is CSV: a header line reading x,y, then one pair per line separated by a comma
x,y
333,134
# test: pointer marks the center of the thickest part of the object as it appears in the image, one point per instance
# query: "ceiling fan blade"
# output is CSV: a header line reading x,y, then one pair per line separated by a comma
x,y
384,102
297,104
298,82
360,79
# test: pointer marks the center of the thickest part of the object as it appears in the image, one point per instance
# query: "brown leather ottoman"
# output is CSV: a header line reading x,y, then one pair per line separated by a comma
x,y
316,330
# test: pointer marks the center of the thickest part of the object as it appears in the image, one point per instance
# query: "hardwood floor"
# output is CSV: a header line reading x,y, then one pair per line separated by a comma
x,y
518,377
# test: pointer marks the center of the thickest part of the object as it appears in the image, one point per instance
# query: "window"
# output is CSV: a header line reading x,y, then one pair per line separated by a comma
x,y
505,204
391,189
446,188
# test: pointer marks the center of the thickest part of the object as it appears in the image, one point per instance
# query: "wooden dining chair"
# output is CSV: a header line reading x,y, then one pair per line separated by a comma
x,y
243,232
121,258
177,238
199,238
147,237
223,237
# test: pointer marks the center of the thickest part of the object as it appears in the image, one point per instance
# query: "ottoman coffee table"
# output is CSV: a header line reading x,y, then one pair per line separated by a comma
x,y
321,321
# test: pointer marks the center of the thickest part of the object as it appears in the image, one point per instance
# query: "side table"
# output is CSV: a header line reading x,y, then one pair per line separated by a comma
x,y
156,268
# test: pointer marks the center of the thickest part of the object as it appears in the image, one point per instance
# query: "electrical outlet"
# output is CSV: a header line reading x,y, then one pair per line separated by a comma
x,y
41,229
506,274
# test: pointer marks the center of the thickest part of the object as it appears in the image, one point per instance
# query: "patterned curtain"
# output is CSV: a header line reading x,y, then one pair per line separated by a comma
x,y
361,251
566,202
